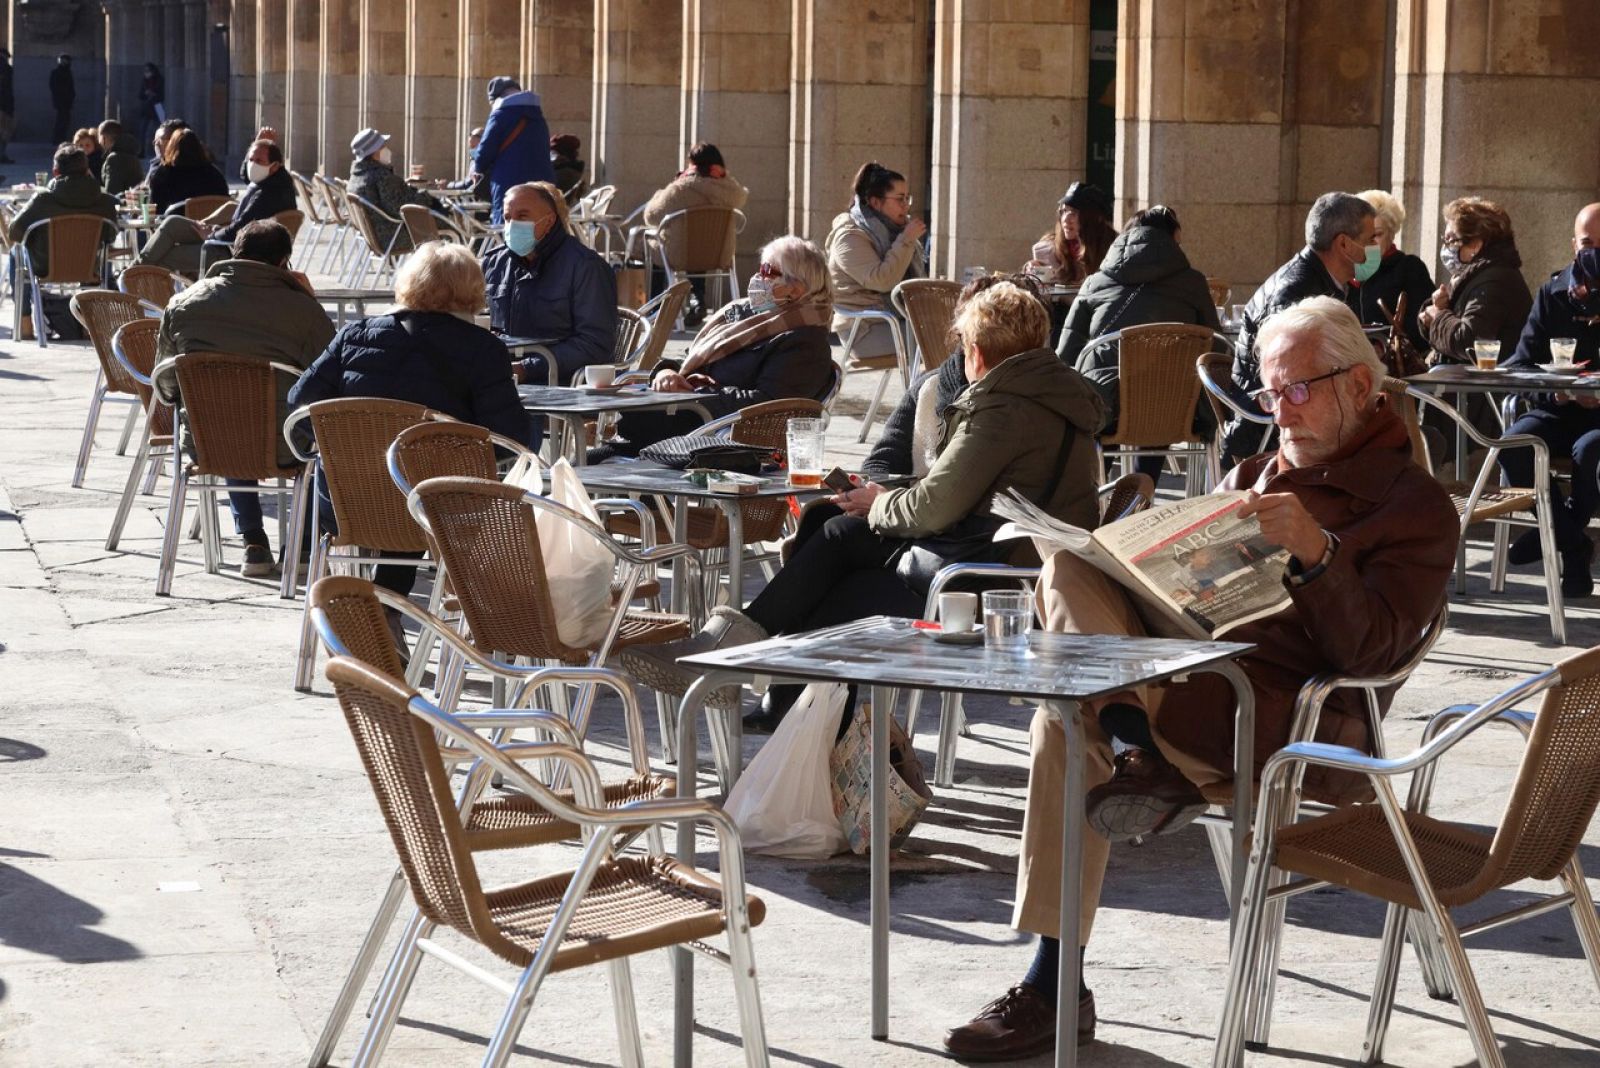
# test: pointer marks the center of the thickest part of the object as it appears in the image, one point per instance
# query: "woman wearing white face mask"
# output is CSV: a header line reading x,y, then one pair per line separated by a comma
x,y
176,243
372,178
772,345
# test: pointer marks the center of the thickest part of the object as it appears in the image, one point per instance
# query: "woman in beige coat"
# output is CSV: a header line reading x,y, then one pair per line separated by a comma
x,y
872,248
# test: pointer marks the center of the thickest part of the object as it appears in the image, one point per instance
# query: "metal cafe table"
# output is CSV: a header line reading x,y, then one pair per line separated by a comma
x,y
643,476
887,653
359,298
571,405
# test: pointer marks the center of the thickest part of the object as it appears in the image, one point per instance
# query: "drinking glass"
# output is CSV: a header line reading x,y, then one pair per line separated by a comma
x,y
1563,349
417,172
807,442
1488,354
41,178
1007,619
1236,315
1222,316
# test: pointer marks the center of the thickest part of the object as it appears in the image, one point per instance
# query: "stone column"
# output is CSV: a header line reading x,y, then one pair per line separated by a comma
x,y
559,61
303,88
1010,86
1239,113
635,139
125,60
242,106
1493,100
381,101
433,48
838,118
272,62
339,66
491,45
736,95
173,63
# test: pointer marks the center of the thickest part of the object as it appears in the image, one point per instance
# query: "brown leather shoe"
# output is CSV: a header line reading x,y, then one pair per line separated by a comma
x,y
1019,1023
1145,795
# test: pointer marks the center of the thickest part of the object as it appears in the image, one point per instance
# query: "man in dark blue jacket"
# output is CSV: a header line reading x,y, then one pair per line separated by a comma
x,y
544,283
515,147
1568,306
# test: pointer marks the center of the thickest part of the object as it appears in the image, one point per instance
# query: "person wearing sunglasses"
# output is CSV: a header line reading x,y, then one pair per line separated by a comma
x,y
771,345
873,247
1372,540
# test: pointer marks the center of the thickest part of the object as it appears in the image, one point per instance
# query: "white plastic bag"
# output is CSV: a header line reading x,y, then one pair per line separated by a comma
x,y
783,803
577,565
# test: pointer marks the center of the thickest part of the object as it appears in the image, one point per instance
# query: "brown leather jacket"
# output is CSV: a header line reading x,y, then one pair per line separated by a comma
x,y
1362,616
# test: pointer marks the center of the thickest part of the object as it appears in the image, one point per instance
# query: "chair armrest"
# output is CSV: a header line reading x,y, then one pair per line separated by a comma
x,y
133,372
551,370
516,718
716,426
290,424
647,527
629,377
1225,398
950,572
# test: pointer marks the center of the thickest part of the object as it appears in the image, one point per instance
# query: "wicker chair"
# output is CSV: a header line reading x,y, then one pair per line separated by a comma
x,y
348,614
291,220
1216,376
154,285
350,458
201,208
342,229
928,305
608,909
1158,391
423,224
1126,496
899,360
699,243
661,313
311,210
228,423
134,347
363,214
1420,864
75,246
101,312
1504,507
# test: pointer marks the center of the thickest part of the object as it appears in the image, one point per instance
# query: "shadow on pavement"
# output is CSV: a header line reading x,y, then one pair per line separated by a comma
x,y
41,918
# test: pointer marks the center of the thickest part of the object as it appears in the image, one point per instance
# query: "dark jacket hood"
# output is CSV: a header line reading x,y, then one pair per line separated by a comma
x,y
77,191
1038,375
1143,254
126,142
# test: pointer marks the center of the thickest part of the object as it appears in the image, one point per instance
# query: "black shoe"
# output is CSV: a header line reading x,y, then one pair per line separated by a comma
x,y
1577,568
257,562
775,704
1525,550
693,317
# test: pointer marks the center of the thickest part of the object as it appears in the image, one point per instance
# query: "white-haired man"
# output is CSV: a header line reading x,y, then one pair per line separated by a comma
x,y
1372,539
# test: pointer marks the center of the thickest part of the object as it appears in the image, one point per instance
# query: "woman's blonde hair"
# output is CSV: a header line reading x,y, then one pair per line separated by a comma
x,y
1003,320
800,261
440,276
1390,211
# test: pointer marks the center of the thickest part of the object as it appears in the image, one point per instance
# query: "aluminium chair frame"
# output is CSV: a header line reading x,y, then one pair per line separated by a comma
x,y
147,460
27,280
857,320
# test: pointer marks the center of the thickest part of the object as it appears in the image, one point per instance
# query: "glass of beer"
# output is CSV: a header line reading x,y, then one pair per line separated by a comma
x,y
807,442
1488,354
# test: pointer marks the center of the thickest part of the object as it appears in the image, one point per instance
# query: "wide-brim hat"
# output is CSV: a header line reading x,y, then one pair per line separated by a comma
x,y
1084,196
367,142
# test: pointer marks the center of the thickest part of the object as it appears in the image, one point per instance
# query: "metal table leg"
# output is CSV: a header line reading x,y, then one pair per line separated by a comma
x,y
1244,739
880,862
1070,975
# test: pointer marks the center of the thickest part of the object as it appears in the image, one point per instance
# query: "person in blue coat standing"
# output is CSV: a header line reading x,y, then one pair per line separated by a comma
x,y
515,147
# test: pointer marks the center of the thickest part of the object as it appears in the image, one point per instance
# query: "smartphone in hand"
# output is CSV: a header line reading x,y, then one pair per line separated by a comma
x,y
838,480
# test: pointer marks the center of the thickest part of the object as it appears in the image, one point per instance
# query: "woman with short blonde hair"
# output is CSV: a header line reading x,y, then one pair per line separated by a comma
x,y
441,276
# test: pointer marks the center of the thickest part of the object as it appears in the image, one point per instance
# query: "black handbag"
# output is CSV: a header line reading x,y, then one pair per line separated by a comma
x,y
698,451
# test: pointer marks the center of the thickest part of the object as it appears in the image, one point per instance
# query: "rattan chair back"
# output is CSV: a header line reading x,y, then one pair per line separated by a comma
x,y
633,337
929,306
1558,782
1401,403
291,220
422,226
486,535
361,213
308,198
767,425
1158,386
332,200
230,404
136,341
353,437
444,449
101,312
198,208
149,282
357,618
1127,496
668,306
414,793
75,244
700,240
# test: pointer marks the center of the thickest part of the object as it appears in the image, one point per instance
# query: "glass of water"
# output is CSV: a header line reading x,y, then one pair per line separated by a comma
x,y
1563,349
1007,619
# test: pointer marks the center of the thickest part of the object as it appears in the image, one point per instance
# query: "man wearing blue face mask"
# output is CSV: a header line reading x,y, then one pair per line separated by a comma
x,y
544,283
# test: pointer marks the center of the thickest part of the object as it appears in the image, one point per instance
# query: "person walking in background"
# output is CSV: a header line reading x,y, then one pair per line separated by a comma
x,y
63,93
516,142
8,105
152,101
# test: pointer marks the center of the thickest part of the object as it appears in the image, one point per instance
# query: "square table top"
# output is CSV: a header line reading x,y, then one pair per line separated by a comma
x,y
582,400
1458,378
339,293
887,651
644,476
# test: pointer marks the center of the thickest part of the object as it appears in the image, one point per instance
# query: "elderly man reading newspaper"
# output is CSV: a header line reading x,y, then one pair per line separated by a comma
x,y
1369,539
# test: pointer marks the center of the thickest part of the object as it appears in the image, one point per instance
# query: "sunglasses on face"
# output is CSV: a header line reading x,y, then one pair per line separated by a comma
x,y
1296,393
767,270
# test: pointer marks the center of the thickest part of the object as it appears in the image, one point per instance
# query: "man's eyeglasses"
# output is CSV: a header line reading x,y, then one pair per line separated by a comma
x,y
1296,393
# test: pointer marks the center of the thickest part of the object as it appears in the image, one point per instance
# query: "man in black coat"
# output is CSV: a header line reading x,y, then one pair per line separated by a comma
x,y
63,92
1339,232
1567,306
176,243
8,105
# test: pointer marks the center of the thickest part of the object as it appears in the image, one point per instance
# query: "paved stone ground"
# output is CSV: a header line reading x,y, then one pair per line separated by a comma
x,y
189,852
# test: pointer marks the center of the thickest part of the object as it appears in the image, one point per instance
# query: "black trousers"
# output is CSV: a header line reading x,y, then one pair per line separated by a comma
x,y
63,130
839,572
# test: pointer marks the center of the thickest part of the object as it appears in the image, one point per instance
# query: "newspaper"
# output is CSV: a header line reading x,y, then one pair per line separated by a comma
x,y
1194,568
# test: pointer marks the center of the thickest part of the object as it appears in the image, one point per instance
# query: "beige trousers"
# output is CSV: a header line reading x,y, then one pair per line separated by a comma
x,y
1075,598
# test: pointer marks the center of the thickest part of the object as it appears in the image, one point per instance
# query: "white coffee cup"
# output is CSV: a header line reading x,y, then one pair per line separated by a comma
x,y
957,612
600,375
